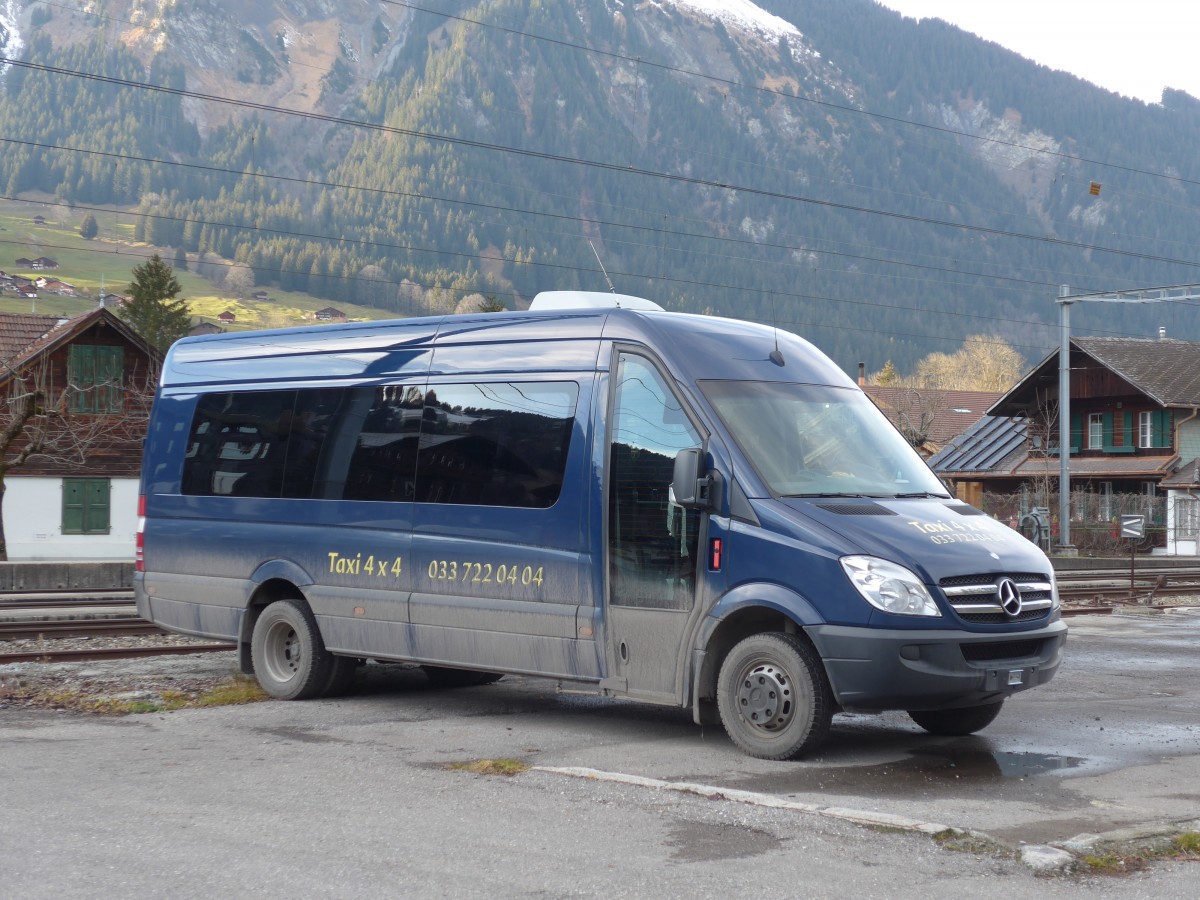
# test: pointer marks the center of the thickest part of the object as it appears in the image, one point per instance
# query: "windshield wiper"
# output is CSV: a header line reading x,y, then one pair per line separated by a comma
x,y
921,495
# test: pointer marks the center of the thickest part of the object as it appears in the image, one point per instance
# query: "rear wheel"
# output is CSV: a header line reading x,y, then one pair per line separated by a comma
x,y
774,697
443,676
956,722
289,656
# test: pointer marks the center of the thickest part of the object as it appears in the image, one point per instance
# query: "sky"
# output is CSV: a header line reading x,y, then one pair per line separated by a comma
x,y
1132,48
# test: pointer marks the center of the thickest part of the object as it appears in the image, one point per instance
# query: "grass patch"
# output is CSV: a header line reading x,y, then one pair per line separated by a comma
x,y
1188,842
504,766
964,842
109,260
232,691
1112,863
1133,858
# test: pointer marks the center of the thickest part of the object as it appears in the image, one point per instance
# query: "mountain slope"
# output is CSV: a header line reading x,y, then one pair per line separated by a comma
x,y
882,186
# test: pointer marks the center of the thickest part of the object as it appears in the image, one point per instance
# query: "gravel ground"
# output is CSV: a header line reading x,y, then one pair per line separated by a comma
x,y
146,684
155,683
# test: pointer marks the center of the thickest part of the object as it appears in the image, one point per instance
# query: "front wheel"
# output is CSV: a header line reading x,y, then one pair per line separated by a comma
x,y
290,658
774,696
956,722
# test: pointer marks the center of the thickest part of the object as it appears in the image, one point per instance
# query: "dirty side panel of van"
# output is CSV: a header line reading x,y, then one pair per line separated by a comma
x,y
502,552
215,537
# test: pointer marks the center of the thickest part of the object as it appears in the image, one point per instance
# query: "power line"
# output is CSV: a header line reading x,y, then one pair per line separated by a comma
x,y
1059,277
728,82
632,275
599,164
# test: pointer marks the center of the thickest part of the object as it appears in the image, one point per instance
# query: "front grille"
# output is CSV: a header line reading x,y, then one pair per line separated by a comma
x,y
1005,650
975,600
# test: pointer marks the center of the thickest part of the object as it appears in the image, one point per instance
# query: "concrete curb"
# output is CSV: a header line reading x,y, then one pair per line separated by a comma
x,y
1056,858
711,792
1083,843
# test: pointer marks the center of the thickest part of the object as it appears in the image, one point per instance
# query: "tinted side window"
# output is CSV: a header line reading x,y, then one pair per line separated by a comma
x,y
652,541
500,444
238,444
381,430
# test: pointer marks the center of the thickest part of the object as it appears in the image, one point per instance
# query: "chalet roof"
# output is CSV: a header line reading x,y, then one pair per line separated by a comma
x,y
949,413
17,332
25,337
1186,476
1098,467
1166,370
992,444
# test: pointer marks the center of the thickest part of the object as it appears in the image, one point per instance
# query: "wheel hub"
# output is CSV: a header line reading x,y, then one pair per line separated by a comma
x,y
765,696
283,651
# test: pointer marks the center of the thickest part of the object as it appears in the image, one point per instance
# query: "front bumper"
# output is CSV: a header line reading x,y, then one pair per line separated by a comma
x,y
873,669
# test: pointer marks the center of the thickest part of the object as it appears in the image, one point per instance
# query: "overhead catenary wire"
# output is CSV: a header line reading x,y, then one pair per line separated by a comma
x,y
602,165
334,185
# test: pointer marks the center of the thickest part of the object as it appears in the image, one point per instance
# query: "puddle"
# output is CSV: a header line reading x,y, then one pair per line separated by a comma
x,y
965,770
953,763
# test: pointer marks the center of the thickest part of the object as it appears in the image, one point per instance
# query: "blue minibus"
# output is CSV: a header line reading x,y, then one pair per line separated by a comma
x,y
670,508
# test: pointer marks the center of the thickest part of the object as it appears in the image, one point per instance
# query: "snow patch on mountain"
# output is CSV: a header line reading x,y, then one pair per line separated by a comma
x,y
12,45
743,15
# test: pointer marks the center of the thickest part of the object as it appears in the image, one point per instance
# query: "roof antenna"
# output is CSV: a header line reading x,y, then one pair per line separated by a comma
x,y
611,289
775,356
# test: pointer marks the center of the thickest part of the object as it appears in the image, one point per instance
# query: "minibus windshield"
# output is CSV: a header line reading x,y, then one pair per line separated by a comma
x,y
820,441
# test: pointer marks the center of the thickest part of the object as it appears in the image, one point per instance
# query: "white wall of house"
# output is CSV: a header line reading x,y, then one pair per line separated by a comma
x,y
33,512
1183,523
1187,436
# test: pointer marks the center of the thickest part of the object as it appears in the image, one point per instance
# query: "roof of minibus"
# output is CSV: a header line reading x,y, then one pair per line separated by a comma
x,y
694,347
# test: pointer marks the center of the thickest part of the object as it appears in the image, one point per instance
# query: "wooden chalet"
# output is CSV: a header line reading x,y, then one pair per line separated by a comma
x,y
1135,424
78,500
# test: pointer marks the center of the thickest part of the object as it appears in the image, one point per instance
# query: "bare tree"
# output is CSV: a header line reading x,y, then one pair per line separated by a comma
x,y
983,363
239,280
38,424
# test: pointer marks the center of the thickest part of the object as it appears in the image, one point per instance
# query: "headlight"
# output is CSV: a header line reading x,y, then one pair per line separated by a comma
x,y
889,587
1055,600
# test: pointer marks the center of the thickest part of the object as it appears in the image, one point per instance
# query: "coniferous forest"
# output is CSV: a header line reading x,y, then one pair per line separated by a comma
x,y
882,187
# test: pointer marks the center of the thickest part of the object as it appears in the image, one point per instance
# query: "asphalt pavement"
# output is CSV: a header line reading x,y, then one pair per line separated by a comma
x,y
365,796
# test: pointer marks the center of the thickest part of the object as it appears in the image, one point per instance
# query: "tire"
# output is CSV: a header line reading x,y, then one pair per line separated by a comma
x,y
290,659
956,722
774,697
443,676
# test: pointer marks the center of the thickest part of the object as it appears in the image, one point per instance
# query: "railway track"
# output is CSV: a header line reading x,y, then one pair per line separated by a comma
x,y
1157,586
1084,591
50,629
43,620
100,653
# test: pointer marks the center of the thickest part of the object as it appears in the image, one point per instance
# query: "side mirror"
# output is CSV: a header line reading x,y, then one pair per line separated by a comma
x,y
690,488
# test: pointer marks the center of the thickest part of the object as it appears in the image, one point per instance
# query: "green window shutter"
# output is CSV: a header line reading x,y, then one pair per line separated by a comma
x,y
1162,428
74,493
86,503
1129,437
1076,432
95,513
81,375
110,390
1107,427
